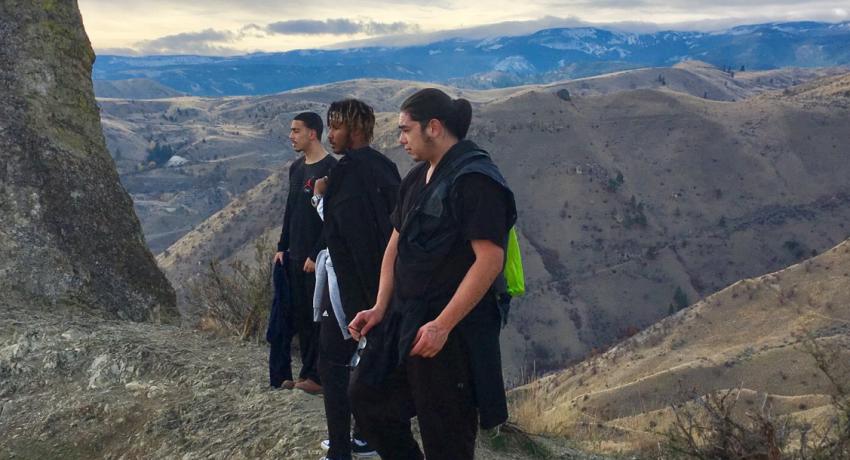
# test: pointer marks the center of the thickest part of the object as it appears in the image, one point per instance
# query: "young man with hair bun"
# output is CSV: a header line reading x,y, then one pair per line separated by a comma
x,y
433,332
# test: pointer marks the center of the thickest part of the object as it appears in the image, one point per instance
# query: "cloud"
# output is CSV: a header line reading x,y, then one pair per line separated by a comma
x,y
515,28
207,41
225,42
339,27
117,51
252,30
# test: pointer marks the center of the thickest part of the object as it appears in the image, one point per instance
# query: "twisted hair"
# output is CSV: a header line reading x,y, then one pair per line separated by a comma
x,y
431,103
355,115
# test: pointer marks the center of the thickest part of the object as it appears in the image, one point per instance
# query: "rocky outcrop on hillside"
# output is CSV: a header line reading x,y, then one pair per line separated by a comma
x,y
75,386
68,234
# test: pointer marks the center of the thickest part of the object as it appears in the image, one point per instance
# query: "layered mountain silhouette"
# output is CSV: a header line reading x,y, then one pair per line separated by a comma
x,y
545,56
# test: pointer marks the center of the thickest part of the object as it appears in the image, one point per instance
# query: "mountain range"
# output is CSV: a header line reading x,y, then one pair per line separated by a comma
x,y
545,56
633,202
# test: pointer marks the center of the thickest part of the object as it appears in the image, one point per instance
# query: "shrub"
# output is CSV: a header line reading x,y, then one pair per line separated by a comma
x,y
795,248
713,429
236,300
680,301
160,154
635,215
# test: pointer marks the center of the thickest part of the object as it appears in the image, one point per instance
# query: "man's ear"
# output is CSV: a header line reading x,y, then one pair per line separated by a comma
x,y
434,127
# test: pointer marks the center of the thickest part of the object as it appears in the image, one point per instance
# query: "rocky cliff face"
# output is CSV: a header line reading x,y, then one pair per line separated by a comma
x,y
68,234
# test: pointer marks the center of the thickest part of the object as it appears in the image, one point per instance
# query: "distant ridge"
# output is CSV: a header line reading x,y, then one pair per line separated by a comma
x,y
134,88
544,56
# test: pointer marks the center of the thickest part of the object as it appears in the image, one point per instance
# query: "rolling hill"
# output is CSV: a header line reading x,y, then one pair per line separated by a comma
x,y
229,145
630,202
750,336
133,88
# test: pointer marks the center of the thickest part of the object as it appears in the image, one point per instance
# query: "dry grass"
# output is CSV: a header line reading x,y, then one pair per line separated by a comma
x,y
716,427
235,301
743,338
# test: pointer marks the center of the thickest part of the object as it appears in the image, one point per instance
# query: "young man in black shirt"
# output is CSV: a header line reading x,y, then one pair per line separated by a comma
x,y
433,349
360,195
300,242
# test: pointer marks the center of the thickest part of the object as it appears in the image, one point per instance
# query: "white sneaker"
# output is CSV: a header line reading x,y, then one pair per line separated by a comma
x,y
359,449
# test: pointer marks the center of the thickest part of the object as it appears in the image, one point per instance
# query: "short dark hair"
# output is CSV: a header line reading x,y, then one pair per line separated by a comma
x,y
355,114
311,120
431,103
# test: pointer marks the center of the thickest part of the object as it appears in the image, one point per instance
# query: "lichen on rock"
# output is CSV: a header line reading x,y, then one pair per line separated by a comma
x,y
69,237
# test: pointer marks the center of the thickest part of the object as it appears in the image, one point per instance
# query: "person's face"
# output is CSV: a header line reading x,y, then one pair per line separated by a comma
x,y
300,136
339,137
413,137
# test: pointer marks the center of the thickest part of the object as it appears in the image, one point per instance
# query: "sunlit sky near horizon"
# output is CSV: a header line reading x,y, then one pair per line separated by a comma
x,y
225,27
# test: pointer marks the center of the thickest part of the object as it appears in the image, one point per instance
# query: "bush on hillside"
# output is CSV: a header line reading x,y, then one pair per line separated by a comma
x,y
159,154
236,299
714,429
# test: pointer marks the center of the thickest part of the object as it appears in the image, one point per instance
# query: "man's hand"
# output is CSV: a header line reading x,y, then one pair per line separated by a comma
x,y
309,266
430,339
278,258
364,322
320,186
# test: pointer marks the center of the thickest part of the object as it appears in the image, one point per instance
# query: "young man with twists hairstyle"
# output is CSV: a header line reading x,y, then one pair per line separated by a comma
x,y
359,195
433,332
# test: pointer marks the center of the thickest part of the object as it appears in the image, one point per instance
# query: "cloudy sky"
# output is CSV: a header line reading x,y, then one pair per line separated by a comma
x,y
223,27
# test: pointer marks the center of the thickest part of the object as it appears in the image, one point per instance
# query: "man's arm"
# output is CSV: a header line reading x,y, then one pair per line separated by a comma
x,y
367,319
489,259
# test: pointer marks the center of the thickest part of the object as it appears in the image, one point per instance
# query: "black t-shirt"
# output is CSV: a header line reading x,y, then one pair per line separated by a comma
x,y
302,226
481,208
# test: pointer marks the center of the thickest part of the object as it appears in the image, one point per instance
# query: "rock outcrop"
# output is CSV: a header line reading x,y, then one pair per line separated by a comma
x,y
68,233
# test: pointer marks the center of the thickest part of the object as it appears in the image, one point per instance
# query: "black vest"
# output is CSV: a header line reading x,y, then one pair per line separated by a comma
x,y
431,229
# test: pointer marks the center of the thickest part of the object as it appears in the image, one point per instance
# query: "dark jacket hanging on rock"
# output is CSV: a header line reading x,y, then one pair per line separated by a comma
x,y
361,195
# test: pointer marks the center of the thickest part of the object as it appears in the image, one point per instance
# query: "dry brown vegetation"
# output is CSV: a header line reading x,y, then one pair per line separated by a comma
x,y
714,426
754,338
235,300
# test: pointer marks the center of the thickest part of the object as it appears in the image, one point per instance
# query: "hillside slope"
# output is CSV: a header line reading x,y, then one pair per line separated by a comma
x,y
133,88
228,145
747,336
624,200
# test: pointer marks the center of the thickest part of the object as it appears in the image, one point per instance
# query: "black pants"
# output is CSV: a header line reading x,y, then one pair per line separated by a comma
x,y
438,391
334,356
300,323
280,365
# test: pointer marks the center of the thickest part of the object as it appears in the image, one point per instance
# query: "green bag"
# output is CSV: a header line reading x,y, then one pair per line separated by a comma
x,y
514,276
